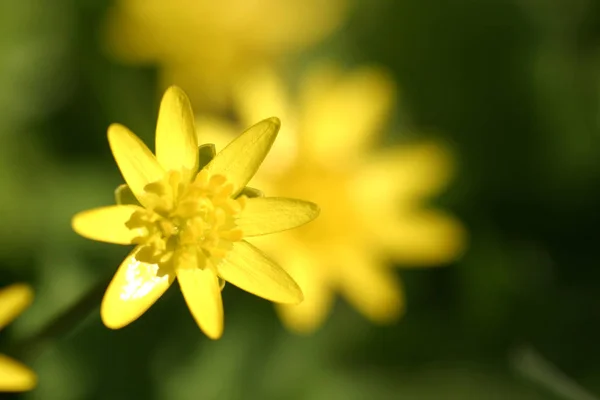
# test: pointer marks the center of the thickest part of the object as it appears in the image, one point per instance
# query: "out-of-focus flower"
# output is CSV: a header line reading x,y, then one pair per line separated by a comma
x,y
204,45
14,376
190,224
372,201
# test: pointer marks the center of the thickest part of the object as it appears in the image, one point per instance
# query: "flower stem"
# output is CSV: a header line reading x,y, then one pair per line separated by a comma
x,y
533,366
63,323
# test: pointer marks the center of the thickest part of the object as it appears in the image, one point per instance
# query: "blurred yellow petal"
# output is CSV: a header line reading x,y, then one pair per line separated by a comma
x,y
248,268
372,288
262,93
214,130
133,289
405,173
265,215
13,300
241,158
343,114
309,315
202,293
235,38
14,376
107,224
176,142
422,238
138,165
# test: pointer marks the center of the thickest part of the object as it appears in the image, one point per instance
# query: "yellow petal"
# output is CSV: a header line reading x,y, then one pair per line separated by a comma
x,y
371,287
264,215
106,224
13,300
14,376
310,274
176,142
248,268
241,158
404,174
134,288
138,165
344,113
202,293
214,130
422,238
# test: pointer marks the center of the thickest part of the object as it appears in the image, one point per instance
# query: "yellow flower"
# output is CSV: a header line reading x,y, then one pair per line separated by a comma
x,y
190,224
204,45
372,201
14,376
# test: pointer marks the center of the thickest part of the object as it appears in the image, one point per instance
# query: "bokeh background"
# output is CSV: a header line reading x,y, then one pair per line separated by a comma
x,y
511,87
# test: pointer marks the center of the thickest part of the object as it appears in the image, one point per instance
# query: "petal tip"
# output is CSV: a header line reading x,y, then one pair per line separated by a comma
x,y
275,121
296,296
216,335
314,207
24,292
113,129
177,93
108,318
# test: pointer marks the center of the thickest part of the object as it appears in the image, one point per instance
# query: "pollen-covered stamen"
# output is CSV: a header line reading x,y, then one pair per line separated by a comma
x,y
188,220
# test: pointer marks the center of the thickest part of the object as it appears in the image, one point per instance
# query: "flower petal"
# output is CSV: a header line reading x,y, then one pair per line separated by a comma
x,y
405,173
241,158
138,165
202,293
14,376
422,238
373,288
106,224
265,215
310,274
176,142
248,268
13,300
134,288
329,97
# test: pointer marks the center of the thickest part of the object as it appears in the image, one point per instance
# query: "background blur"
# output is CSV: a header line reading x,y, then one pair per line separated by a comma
x,y
512,86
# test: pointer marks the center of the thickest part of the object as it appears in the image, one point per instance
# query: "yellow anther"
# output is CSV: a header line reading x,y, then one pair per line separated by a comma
x,y
190,219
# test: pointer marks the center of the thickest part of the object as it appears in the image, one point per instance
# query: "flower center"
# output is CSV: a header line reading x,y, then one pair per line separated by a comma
x,y
187,223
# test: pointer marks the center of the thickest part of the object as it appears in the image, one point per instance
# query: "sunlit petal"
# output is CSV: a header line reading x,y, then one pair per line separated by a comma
x,y
138,165
248,268
202,293
264,215
241,158
14,376
371,287
133,289
176,142
107,224
13,300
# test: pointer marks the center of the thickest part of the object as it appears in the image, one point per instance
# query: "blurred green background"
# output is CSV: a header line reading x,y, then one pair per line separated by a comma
x,y
512,85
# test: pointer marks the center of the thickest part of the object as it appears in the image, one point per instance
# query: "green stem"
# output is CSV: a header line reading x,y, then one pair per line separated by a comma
x,y
62,324
533,366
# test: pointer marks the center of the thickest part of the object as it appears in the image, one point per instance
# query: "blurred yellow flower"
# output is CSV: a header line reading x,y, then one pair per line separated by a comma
x,y
190,224
14,376
372,202
204,45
